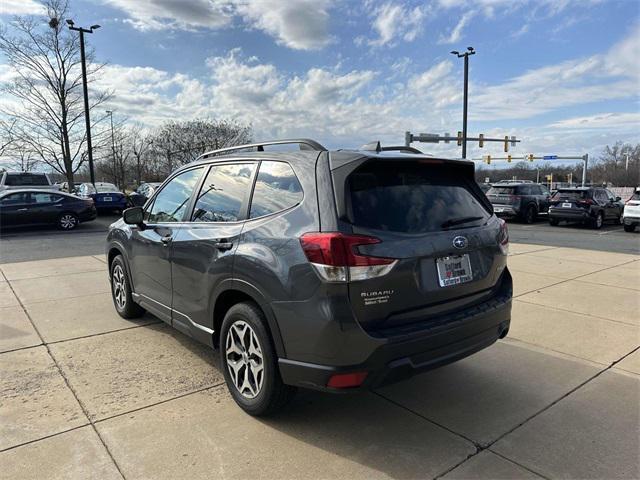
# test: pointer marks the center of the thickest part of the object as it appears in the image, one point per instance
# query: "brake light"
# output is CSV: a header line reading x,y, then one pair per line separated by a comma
x,y
586,201
347,380
503,237
335,258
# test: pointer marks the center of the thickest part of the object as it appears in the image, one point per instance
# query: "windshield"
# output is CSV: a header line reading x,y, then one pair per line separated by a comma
x,y
410,198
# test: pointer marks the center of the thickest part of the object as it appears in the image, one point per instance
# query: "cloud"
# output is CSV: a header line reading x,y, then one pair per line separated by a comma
x,y
393,21
457,32
623,121
21,7
175,14
297,24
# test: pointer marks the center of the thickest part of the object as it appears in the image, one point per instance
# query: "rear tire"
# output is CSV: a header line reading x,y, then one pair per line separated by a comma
x,y
121,291
530,215
630,228
554,222
250,363
68,221
598,221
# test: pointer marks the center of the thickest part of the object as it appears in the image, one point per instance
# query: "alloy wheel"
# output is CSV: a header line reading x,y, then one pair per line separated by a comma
x,y
244,359
119,285
68,221
599,220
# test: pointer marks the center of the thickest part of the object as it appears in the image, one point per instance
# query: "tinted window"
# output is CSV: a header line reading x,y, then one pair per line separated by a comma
x,y
44,197
411,198
277,188
26,179
501,191
170,204
570,195
525,190
15,198
223,193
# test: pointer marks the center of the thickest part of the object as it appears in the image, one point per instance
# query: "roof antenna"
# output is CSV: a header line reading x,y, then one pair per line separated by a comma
x,y
372,147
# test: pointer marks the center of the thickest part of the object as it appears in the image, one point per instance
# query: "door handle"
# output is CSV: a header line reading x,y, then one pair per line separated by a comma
x,y
166,240
223,244
22,209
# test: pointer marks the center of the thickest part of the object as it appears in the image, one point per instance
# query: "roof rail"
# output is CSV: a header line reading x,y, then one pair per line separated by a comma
x,y
376,147
305,144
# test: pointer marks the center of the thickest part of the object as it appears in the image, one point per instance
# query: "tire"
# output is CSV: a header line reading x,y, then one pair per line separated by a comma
x,y
530,214
68,221
598,221
554,222
121,290
245,345
630,228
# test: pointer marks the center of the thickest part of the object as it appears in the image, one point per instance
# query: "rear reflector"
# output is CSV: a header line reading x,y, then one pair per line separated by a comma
x,y
347,380
336,259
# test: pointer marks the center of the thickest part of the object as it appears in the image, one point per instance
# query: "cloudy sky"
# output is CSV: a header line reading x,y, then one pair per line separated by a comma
x,y
562,75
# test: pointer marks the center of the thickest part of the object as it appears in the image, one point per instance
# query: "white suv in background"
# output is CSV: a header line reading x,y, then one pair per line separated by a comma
x,y
631,213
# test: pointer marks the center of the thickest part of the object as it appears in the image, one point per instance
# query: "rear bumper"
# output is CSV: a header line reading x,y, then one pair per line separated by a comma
x,y
569,214
506,210
411,351
631,220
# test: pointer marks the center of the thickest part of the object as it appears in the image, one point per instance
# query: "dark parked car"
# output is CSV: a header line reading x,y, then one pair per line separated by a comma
x,y
40,207
522,200
143,193
588,205
340,270
106,196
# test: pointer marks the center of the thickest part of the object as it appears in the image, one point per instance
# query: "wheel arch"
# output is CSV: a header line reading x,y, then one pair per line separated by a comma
x,y
238,291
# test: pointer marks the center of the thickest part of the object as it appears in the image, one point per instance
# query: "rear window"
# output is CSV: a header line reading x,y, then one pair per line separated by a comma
x,y
635,196
570,194
106,188
502,191
411,198
26,179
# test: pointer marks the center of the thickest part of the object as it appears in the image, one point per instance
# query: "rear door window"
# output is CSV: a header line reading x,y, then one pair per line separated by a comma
x,y
501,191
570,195
224,193
15,199
412,198
277,188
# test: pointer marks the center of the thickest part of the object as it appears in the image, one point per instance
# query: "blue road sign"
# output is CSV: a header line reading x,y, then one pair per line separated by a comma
x,y
550,157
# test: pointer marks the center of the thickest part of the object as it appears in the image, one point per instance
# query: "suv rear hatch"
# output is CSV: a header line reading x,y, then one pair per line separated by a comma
x,y
571,200
503,195
431,219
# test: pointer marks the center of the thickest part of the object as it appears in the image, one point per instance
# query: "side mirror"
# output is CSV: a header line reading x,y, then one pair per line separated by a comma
x,y
133,216
618,199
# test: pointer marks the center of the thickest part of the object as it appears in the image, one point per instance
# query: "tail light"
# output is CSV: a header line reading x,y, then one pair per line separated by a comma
x,y
335,258
585,202
503,237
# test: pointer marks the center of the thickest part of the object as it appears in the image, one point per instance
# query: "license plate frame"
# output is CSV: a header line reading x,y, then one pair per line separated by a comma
x,y
454,270
107,199
566,205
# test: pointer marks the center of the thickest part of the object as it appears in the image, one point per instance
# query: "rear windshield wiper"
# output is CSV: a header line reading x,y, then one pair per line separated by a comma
x,y
457,221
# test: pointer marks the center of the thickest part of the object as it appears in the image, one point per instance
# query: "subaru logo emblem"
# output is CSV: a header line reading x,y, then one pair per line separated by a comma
x,y
460,242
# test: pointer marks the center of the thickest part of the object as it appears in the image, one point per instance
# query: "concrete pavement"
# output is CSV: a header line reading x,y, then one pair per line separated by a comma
x,y
85,394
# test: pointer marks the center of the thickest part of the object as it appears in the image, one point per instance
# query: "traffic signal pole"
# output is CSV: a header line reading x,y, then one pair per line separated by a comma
x,y
464,107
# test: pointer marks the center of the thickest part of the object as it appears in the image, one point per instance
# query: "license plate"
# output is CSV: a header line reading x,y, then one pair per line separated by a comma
x,y
107,199
566,205
498,209
454,270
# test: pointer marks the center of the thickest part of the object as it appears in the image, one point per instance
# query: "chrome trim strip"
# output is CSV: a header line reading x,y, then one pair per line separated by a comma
x,y
193,324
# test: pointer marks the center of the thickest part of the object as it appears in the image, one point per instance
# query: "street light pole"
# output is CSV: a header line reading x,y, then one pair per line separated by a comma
x,y
470,51
113,146
87,119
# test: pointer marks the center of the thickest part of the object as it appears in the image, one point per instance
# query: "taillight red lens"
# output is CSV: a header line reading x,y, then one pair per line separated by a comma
x,y
339,250
347,380
503,237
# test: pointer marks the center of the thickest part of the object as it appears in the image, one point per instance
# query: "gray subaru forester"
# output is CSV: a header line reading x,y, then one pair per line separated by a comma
x,y
333,270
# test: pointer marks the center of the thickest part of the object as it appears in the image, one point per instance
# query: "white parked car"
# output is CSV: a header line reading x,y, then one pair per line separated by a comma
x,y
17,180
631,213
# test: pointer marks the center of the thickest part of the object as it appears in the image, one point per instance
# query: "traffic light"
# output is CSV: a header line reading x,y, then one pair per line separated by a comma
x,y
487,159
459,138
506,144
481,140
509,158
531,157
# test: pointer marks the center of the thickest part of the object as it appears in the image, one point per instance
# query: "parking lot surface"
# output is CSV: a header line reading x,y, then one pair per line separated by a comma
x,y
86,394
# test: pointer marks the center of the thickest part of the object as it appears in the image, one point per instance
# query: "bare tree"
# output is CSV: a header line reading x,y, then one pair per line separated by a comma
x,y
139,143
47,85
